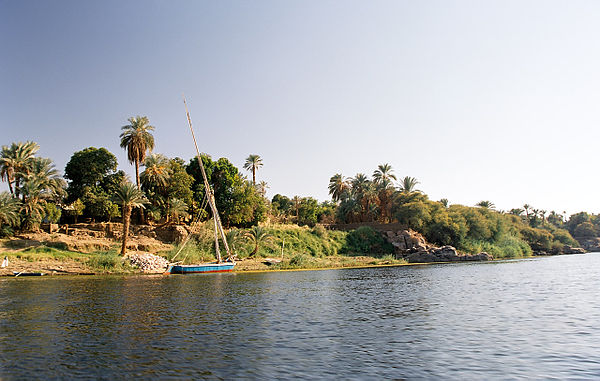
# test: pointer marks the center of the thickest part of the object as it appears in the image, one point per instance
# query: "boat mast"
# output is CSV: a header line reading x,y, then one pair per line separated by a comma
x,y
210,194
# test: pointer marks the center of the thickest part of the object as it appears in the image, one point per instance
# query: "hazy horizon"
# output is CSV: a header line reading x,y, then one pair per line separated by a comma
x,y
477,100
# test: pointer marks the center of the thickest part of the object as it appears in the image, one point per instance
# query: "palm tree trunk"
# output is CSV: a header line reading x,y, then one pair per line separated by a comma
x,y
137,173
126,220
253,175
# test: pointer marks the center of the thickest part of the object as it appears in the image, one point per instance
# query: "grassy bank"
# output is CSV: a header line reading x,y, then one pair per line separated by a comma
x,y
280,247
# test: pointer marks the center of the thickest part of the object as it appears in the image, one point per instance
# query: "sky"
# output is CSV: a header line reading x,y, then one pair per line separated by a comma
x,y
479,100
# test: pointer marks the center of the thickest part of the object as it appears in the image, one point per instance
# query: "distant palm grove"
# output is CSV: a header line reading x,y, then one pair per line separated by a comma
x,y
171,191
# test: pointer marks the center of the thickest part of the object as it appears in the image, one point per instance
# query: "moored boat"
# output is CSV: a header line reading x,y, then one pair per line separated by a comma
x,y
201,268
219,265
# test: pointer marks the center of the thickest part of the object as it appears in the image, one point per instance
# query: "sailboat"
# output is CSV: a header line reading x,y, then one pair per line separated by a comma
x,y
219,265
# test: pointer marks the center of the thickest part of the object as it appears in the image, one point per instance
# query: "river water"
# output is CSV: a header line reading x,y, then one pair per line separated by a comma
x,y
534,318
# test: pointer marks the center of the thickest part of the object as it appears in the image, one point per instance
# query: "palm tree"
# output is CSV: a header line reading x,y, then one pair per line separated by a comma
x,y
359,183
383,173
15,162
233,238
129,196
382,178
253,162
258,235
51,184
338,187
156,174
32,207
9,210
262,188
526,207
364,192
516,211
136,139
174,209
486,204
408,184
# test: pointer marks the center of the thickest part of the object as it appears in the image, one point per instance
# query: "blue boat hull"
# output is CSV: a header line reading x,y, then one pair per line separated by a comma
x,y
203,268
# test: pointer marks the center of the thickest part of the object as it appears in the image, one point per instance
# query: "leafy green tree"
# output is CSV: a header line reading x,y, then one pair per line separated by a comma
x,y
136,139
538,239
52,213
180,182
89,168
253,162
556,219
326,212
129,197
75,209
281,205
444,202
586,229
238,201
308,210
575,220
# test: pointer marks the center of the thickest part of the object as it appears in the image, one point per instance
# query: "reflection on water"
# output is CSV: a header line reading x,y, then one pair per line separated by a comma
x,y
530,318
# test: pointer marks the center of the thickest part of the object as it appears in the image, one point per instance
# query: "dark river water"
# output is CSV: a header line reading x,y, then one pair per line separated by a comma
x,y
534,318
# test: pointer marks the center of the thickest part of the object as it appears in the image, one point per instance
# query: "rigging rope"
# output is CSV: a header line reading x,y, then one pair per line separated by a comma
x,y
193,225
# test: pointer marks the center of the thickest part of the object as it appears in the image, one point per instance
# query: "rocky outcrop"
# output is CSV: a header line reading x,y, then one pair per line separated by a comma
x,y
591,244
573,250
171,233
407,241
446,254
413,247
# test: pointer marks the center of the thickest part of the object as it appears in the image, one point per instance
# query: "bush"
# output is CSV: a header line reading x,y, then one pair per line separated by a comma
x,y
366,241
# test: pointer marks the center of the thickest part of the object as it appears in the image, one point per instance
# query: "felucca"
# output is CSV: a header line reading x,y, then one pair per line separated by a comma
x,y
219,265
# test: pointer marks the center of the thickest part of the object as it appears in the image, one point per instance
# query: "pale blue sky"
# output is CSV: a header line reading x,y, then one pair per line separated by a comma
x,y
494,100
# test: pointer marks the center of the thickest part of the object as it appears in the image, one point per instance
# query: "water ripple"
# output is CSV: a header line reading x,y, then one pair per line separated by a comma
x,y
536,318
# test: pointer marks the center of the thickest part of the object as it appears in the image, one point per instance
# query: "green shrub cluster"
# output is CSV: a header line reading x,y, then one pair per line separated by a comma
x,y
366,241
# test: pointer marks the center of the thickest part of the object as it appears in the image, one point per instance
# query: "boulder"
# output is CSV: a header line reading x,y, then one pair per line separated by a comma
x,y
171,233
445,254
573,250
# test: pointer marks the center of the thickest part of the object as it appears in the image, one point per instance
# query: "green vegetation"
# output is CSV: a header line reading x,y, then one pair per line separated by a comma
x,y
136,139
175,193
130,198
365,240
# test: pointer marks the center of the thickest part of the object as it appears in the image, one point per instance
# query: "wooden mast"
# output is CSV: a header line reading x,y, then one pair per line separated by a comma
x,y
210,194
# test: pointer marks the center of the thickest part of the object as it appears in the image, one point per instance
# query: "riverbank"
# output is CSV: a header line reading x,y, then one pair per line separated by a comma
x,y
52,261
